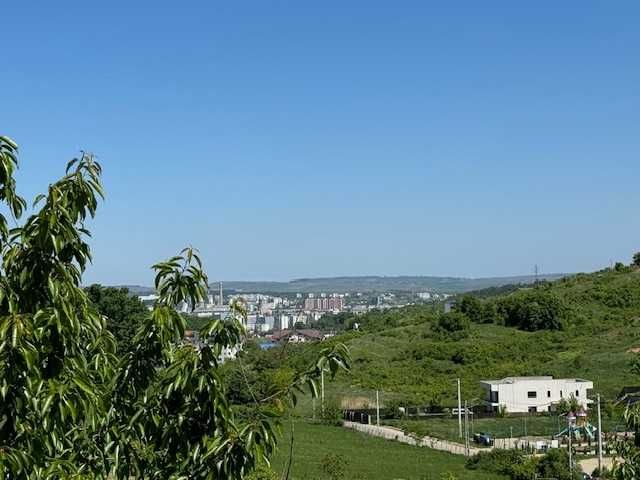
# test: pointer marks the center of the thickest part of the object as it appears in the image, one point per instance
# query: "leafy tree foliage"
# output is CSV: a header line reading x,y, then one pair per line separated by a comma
x,y
636,259
555,464
69,407
536,309
478,311
471,306
511,463
565,406
533,310
452,323
125,313
335,321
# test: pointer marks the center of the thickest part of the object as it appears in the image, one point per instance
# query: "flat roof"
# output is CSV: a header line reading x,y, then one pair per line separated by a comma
x,y
511,380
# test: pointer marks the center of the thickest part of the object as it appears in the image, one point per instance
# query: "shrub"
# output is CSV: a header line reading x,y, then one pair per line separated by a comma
x,y
334,466
453,324
497,461
392,408
555,464
331,414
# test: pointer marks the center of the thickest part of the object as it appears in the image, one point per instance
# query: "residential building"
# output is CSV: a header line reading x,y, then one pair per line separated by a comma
x,y
283,322
324,304
534,394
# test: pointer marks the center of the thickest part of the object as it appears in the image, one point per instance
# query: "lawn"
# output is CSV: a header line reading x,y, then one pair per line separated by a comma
x,y
368,458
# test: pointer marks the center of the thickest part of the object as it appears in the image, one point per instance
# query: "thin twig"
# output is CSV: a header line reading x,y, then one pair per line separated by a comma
x,y
285,476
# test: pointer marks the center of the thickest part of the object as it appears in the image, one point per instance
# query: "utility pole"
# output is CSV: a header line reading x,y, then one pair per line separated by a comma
x,y
571,420
466,429
322,392
459,411
570,450
378,407
472,424
599,437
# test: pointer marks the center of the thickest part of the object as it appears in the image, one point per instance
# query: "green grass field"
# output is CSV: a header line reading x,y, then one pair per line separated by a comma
x,y
368,458
447,428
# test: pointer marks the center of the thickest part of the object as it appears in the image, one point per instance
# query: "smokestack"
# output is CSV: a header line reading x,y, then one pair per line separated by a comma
x,y
220,299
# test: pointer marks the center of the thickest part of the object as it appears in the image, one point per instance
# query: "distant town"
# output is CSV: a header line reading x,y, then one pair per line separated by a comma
x,y
274,315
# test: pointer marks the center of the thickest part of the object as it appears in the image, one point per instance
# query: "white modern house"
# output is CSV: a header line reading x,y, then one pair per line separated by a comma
x,y
534,394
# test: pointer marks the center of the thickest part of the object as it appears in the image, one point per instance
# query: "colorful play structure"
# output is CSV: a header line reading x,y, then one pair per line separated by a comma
x,y
578,427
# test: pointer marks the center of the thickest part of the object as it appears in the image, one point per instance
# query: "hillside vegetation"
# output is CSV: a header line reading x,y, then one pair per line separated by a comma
x,y
585,326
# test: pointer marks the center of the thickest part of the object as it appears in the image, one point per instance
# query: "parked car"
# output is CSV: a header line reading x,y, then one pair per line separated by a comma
x,y
483,439
454,411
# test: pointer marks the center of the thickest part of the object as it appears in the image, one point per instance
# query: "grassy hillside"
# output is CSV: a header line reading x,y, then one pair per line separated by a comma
x,y
406,354
366,457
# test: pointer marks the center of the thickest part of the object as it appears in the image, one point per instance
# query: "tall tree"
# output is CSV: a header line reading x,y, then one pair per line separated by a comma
x,y
69,407
125,313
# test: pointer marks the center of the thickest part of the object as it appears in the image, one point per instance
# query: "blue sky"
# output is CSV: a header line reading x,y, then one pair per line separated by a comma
x,y
296,139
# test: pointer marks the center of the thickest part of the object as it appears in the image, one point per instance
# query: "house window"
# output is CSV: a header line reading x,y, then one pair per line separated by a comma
x,y
548,393
560,393
532,395
577,393
494,397
533,409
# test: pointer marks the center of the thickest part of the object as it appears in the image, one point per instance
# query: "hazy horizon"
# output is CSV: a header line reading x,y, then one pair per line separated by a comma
x,y
294,280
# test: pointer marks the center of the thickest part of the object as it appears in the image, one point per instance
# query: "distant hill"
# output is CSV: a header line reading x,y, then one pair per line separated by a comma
x,y
383,284
370,284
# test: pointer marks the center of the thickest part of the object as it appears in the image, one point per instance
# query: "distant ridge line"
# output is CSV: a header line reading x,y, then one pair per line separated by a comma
x,y
371,283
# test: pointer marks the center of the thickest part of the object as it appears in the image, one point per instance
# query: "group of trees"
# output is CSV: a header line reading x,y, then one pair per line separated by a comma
x,y
77,403
452,325
534,309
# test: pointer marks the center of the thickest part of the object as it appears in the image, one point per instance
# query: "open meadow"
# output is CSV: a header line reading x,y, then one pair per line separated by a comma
x,y
367,458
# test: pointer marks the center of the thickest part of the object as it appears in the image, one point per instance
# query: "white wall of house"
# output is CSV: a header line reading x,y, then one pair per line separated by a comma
x,y
534,394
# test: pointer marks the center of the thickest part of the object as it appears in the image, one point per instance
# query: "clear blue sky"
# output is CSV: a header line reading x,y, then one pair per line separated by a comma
x,y
299,138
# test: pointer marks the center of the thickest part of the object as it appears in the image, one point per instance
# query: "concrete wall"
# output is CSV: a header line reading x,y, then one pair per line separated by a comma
x,y
390,433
